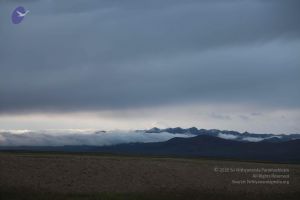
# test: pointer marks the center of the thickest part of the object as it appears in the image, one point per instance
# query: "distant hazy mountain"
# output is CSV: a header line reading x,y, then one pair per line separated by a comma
x,y
198,146
232,135
210,146
199,143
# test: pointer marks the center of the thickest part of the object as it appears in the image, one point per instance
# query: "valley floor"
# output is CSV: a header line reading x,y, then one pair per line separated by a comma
x,y
83,176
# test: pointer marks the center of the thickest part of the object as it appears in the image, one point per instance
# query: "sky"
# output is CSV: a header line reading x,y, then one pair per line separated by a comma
x,y
134,64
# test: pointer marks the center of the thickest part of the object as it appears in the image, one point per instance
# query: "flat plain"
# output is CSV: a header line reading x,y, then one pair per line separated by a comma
x,y
100,176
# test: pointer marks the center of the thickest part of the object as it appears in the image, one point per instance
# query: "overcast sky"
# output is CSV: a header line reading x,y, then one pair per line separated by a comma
x,y
126,64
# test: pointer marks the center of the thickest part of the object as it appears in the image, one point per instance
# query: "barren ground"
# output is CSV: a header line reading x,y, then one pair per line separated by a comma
x,y
80,176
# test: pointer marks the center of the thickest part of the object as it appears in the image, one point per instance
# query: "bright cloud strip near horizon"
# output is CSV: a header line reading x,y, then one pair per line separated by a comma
x,y
134,64
251,119
80,137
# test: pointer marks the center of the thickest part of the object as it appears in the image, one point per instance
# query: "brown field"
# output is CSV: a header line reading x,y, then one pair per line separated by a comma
x,y
83,176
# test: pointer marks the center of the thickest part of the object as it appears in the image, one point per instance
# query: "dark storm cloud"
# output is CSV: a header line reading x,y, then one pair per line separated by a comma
x,y
77,55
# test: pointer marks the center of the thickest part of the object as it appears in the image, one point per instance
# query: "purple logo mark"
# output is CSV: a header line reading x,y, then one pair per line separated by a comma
x,y
18,15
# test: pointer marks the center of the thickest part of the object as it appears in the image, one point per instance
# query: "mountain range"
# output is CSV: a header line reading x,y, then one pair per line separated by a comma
x,y
201,143
225,134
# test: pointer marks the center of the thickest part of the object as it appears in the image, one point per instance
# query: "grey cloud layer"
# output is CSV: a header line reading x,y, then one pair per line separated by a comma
x,y
61,138
77,55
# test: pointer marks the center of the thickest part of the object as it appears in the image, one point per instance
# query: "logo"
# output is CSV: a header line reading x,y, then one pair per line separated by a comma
x,y
18,15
